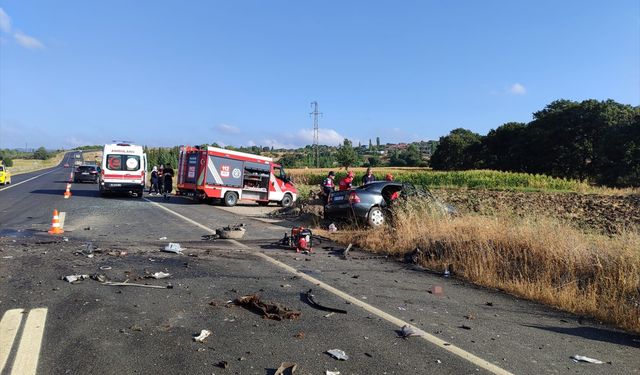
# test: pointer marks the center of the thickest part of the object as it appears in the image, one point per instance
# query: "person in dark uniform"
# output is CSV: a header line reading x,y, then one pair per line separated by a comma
x,y
368,177
167,181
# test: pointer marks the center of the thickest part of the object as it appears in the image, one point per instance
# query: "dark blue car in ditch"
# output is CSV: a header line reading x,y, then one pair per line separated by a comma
x,y
367,203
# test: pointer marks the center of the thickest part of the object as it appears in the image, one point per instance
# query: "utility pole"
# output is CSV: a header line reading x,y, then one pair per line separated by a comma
x,y
315,114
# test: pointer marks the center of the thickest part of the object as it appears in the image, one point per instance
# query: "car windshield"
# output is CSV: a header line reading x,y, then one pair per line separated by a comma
x,y
119,162
86,168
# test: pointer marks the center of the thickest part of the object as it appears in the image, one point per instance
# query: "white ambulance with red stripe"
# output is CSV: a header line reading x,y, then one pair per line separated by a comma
x,y
123,169
217,173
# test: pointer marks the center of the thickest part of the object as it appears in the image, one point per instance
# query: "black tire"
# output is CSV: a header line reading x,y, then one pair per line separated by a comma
x,y
230,199
140,193
287,200
376,217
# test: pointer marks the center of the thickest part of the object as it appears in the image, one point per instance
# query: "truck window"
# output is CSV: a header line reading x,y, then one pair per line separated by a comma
x,y
118,162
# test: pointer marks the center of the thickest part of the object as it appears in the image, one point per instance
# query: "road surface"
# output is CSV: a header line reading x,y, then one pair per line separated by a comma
x,y
50,326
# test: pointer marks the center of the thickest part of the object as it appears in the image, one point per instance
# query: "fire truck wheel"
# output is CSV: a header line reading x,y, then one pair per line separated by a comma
x,y
230,199
287,200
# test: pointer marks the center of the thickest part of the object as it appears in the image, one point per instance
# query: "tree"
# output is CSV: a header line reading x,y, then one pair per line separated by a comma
x,y
6,161
377,143
411,156
370,144
346,155
507,148
374,161
41,154
458,150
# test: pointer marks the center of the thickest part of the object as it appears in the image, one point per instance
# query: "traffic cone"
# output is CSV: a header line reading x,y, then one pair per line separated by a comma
x,y
55,224
67,194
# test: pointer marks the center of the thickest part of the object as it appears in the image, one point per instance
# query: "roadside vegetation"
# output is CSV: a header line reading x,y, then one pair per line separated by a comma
x,y
533,257
474,179
33,161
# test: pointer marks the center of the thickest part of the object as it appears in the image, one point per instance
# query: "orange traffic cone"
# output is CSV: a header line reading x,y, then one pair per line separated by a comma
x,y
67,194
55,224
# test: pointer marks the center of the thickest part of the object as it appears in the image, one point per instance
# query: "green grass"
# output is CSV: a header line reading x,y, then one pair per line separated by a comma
x,y
474,179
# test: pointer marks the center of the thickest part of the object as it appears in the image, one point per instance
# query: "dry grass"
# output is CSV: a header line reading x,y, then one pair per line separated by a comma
x,y
21,166
535,258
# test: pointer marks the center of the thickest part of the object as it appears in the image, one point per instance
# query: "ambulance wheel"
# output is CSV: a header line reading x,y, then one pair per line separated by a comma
x,y
140,193
230,199
287,200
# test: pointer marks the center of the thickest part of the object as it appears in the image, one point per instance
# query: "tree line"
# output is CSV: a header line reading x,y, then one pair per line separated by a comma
x,y
596,141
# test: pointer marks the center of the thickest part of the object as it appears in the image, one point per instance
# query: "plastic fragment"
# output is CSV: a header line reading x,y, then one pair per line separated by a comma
x,y
580,358
202,336
284,366
173,247
74,278
338,354
160,275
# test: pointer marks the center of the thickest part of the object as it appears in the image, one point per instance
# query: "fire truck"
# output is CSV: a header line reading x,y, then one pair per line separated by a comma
x,y
215,173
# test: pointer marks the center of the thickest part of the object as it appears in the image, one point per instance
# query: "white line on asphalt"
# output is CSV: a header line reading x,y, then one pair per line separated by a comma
x,y
26,361
8,329
373,310
22,182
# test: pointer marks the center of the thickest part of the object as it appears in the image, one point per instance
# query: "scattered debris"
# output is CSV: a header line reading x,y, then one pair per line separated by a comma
x,y
105,268
210,237
437,290
235,232
136,327
138,285
489,303
267,310
8,257
299,335
329,314
368,355
87,228
74,278
117,253
162,238
202,336
173,247
470,317
88,249
464,326
345,252
286,368
99,278
446,273
333,228
285,285
338,354
331,372
223,364
159,275
311,301
438,361
580,358
402,308
409,331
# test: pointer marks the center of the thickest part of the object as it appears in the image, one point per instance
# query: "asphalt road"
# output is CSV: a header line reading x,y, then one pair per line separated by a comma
x,y
90,327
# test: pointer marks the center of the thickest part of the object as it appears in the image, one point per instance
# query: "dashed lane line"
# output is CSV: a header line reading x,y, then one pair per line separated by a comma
x,y
62,216
26,362
482,363
9,326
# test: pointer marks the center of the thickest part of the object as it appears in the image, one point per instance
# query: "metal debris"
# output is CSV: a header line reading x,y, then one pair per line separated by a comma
x,y
139,285
159,275
580,358
74,278
267,310
311,301
409,331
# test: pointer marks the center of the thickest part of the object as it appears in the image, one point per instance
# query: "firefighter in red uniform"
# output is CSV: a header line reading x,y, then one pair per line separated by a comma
x,y
396,195
328,186
345,183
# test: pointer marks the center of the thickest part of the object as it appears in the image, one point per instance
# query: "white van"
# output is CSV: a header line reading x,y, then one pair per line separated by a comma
x,y
123,169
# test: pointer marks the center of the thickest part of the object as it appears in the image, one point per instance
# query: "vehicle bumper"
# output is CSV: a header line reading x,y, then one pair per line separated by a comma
x,y
347,211
81,178
121,187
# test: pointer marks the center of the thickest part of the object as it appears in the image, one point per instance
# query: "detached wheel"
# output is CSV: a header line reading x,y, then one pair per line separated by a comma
x,y
287,200
230,199
375,217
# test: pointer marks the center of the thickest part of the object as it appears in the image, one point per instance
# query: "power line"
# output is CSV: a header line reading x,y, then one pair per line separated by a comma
x,y
315,114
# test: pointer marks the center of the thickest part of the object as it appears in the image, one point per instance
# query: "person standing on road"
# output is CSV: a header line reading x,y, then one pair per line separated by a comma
x,y
154,181
346,183
168,181
368,177
161,178
328,186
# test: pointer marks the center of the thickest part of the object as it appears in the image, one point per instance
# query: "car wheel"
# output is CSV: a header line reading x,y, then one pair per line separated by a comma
x,y
140,193
287,200
230,199
375,217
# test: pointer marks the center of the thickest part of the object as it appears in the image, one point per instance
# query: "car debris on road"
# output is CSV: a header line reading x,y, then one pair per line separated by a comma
x,y
338,354
267,310
173,247
409,331
580,358
74,278
311,301
286,368
159,275
202,336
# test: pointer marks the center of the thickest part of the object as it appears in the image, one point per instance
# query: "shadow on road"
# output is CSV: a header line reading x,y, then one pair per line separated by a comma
x,y
597,334
60,192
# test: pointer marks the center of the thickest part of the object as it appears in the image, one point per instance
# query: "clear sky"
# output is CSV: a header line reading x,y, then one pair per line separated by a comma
x,y
244,72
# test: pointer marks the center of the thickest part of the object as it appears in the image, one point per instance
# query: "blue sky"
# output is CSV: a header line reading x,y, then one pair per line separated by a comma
x,y
244,72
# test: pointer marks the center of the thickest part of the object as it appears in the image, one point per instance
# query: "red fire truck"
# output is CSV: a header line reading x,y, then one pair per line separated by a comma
x,y
228,175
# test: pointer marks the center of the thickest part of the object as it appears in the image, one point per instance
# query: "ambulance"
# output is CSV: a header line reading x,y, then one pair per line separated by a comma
x,y
220,174
123,169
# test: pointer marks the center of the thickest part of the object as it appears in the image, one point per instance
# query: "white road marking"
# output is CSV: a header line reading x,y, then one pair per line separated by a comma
x,y
22,182
62,216
26,361
371,309
8,329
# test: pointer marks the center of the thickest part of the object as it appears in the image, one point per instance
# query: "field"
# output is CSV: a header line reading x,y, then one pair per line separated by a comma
x,y
21,166
559,242
475,179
